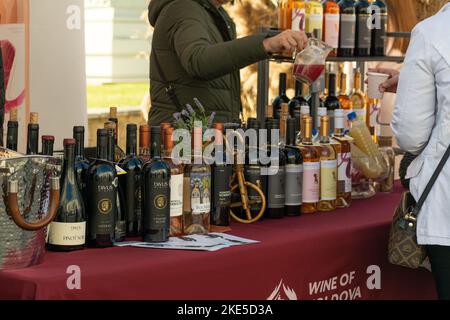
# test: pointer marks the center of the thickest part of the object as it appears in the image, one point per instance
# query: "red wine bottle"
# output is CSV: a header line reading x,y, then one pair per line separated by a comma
x,y
332,102
379,32
13,131
68,231
294,172
347,28
156,193
47,145
33,134
102,183
363,33
282,97
131,184
81,163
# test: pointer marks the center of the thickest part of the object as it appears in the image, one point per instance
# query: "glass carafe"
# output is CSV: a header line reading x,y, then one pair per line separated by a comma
x,y
309,64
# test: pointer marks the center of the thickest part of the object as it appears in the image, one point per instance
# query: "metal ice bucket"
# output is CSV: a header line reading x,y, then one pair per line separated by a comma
x,y
29,189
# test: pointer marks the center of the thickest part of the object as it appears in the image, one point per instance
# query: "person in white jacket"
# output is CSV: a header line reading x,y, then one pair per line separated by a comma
x,y
421,125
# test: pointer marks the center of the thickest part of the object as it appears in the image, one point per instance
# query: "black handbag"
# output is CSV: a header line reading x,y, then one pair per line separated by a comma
x,y
403,247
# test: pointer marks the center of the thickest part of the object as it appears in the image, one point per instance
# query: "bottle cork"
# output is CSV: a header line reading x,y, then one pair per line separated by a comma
x,y
269,111
13,115
113,112
34,118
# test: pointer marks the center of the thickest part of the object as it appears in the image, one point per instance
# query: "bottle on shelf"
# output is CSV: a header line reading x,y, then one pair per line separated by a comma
x,y
328,169
81,163
363,32
344,99
298,102
347,29
282,97
144,143
12,134
311,169
221,182
305,111
344,161
130,183
47,145
332,102
164,126
120,202
156,193
298,19
176,185
276,178
197,190
331,25
321,112
102,183
284,14
294,172
68,229
378,48
314,18
359,101
33,134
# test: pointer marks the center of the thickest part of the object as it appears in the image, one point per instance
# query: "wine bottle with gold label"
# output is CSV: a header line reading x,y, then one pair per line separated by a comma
x,y
328,169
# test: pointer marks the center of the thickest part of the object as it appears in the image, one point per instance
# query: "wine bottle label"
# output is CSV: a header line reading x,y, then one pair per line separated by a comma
x,y
102,198
200,193
294,185
380,34
222,186
311,182
314,21
253,175
67,234
176,195
328,180
364,33
276,189
298,19
344,172
347,32
332,29
159,197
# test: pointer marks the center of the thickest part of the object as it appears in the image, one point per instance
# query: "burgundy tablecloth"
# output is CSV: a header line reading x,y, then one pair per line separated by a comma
x,y
334,255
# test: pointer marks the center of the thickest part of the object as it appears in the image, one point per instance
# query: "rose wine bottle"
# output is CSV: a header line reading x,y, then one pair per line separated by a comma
x,y
311,169
131,184
328,169
331,25
176,185
294,172
347,28
33,134
102,183
156,193
12,134
344,162
68,231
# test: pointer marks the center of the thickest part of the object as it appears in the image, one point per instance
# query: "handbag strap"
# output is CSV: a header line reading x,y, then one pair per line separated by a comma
x,y
430,184
169,86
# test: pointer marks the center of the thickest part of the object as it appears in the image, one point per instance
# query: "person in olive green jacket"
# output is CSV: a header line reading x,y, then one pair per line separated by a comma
x,y
195,51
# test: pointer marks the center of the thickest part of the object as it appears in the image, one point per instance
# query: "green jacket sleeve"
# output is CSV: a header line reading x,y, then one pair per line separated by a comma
x,y
203,59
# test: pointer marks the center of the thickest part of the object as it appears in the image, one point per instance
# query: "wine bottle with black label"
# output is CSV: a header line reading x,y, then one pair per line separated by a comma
x,y
33,134
294,172
102,184
156,193
81,163
13,131
131,184
68,231
380,21
222,173
363,32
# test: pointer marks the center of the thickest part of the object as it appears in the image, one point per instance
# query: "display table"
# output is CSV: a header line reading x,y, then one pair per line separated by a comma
x,y
337,255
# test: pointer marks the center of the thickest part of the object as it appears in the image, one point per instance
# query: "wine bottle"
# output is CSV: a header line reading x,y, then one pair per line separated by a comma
x,y
164,126
119,153
314,18
294,172
13,131
328,169
359,101
221,183
81,163
378,48
311,169
331,24
197,188
121,217
284,14
344,99
298,19
47,145
130,183
102,183
144,143
156,193
332,102
282,97
33,134
296,103
363,33
344,158
176,185
68,230
276,179
284,115
347,28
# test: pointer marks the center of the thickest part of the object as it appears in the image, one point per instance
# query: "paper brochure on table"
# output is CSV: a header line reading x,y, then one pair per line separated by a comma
x,y
211,242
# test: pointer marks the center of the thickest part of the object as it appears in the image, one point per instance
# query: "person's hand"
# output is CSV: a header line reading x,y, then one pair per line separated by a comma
x,y
286,41
392,83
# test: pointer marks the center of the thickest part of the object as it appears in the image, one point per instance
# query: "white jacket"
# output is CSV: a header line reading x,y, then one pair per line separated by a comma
x,y
421,122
